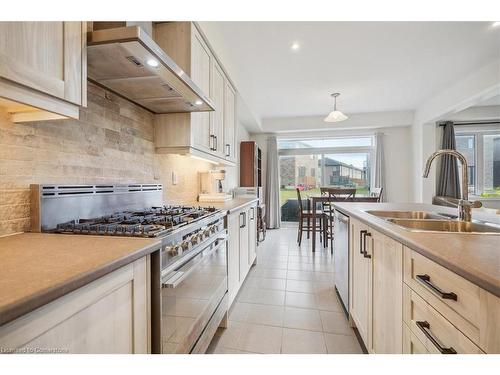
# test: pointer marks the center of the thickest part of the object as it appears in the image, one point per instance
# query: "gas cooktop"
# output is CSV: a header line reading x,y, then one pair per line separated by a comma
x,y
151,222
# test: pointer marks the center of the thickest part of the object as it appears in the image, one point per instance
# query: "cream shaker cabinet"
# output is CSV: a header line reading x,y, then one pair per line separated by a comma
x,y
242,247
386,294
43,69
360,280
229,122
403,302
108,315
201,61
209,135
233,256
376,279
217,116
252,235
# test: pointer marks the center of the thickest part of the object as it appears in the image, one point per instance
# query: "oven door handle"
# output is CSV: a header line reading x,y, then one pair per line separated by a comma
x,y
180,275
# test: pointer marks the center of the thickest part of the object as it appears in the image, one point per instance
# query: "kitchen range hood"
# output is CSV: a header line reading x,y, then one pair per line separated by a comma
x,y
127,61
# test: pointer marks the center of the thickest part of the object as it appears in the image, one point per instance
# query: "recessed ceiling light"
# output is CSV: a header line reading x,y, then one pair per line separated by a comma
x,y
152,62
198,102
295,46
496,24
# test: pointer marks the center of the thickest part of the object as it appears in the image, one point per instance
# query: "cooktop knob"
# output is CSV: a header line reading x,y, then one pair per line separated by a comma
x,y
173,250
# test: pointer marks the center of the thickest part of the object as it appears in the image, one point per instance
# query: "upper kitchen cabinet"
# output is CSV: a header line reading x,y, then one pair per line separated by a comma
x,y
210,135
43,69
229,122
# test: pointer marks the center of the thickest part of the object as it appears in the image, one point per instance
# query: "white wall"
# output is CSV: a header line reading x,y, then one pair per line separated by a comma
x,y
397,155
474,88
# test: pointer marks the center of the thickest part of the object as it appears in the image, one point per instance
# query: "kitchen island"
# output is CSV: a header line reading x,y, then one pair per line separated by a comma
x,y
76,293
420,291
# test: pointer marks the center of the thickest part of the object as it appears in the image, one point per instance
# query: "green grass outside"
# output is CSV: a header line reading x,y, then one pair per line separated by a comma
x,y
493,193
286,194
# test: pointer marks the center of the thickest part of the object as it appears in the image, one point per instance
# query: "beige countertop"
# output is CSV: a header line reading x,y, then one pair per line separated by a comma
x,y
37,268
475,257
230,205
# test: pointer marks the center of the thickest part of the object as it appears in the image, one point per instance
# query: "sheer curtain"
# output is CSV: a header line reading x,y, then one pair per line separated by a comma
x,y
272,185
378,175
448,182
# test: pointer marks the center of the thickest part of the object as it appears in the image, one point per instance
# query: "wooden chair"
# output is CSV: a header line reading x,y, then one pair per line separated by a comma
x,y
306,214
334,195
376,192
342,194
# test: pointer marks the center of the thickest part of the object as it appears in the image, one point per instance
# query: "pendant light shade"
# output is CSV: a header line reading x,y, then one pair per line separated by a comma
x,y
335,116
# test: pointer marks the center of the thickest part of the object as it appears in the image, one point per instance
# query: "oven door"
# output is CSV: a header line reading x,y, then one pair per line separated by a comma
x,y
191,295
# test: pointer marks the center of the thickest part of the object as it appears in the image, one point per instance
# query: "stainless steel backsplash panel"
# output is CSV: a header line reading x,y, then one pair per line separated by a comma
x,y
55,204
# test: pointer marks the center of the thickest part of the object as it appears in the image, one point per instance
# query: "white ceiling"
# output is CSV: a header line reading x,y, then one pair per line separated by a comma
x,y
376,66
491,101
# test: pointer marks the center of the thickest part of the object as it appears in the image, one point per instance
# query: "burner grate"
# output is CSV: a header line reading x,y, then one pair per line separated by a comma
x,y
141,223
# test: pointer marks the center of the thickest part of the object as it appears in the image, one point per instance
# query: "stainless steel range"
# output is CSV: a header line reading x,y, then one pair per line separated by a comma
x,y
189,295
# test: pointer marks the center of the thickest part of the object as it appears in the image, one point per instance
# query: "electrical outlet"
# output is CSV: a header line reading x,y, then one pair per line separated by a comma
x,y
175,178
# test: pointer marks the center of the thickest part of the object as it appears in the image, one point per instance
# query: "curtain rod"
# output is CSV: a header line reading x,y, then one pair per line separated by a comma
x,y
472,123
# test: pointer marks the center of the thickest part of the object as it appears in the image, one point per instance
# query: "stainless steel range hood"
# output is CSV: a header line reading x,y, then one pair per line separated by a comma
x,y
127,61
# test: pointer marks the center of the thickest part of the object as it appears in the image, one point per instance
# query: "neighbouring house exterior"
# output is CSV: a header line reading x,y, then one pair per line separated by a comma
x,y
304,170
299,170
342,174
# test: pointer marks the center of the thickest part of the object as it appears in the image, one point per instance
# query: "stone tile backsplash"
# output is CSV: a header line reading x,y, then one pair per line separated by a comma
x,y
111,143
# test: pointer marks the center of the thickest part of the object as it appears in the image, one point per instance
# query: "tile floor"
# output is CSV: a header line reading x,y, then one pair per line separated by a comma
x,y
287,304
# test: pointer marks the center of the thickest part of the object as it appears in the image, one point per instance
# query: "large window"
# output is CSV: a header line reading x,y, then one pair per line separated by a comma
x,y
308,164
482,151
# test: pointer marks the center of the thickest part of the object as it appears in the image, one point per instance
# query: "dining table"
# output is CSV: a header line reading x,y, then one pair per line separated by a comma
x,y
314,199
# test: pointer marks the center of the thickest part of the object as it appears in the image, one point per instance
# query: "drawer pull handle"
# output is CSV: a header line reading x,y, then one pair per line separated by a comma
x,y
426,280
426,329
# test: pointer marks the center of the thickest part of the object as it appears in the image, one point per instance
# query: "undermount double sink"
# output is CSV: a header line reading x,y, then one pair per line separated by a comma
x,y
423,221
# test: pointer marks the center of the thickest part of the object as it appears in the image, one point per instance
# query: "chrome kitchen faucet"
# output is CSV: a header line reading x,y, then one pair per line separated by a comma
x,y
464,205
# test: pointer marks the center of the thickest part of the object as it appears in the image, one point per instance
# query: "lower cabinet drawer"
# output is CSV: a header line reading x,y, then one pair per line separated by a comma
x,y
436,333
453,296
411,344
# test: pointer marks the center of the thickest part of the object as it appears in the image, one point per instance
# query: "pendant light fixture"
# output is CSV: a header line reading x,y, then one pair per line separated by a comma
x,y
335,116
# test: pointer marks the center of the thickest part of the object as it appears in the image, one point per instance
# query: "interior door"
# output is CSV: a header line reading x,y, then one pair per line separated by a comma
x,y
229,122
45,56
201,58
217,116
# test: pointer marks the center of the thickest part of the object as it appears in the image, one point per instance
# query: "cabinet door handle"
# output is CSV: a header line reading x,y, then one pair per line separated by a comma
x,y
212,142
228,149
215,143
425,327
244,215
426,280
361,240
365,254
253,214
